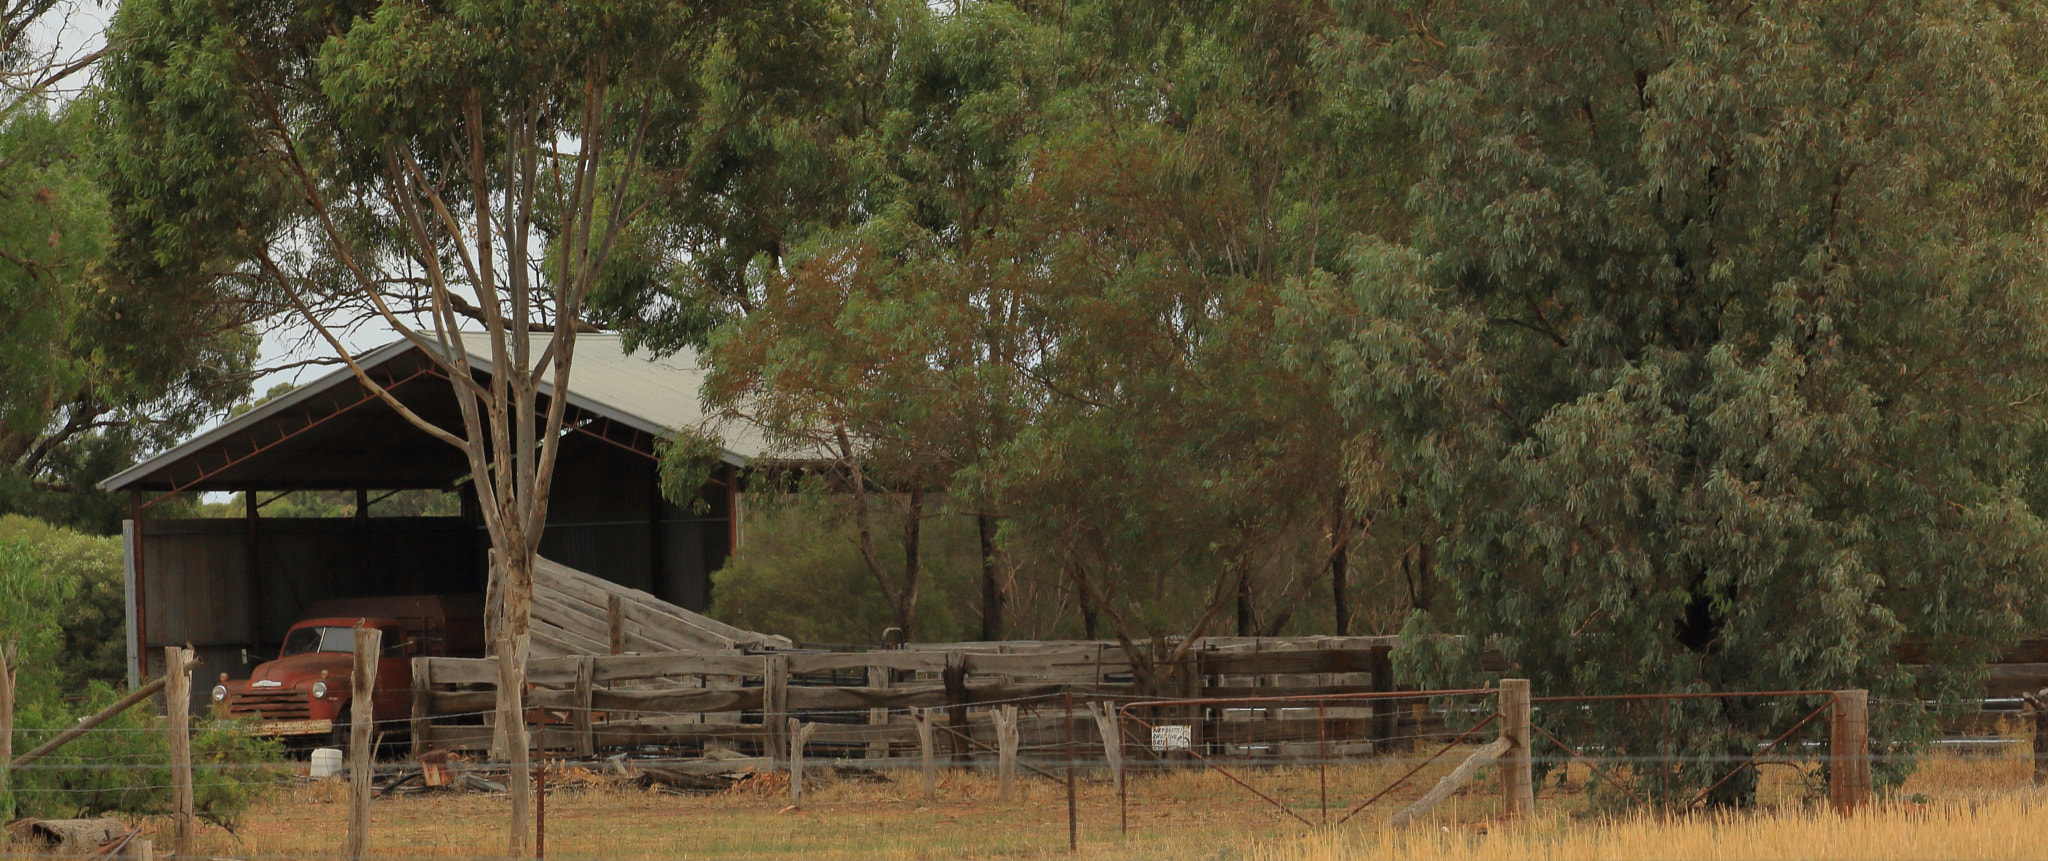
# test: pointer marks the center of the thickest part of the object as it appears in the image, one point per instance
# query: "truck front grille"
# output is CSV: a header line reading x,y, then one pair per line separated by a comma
x,y
270,705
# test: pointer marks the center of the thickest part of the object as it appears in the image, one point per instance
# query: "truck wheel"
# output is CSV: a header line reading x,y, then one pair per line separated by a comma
x,y
338,736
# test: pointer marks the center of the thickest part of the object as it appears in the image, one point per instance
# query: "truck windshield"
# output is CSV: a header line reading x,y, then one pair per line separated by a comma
x,y
323,639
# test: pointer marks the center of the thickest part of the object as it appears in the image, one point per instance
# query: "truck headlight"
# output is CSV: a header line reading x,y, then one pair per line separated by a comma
x,y
220,692
319,690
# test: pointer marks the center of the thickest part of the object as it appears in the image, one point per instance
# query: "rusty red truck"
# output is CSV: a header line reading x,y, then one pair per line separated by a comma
x,y
306,691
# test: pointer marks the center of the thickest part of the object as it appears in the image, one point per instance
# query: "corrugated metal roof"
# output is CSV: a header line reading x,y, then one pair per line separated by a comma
x,y
655,396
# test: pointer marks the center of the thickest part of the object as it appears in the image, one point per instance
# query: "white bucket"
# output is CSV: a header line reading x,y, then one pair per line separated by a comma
x,y
326,762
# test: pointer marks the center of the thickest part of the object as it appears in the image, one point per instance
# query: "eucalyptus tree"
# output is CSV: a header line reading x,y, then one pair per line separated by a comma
x,y
861,323
95,368
1188,169
1718,350
431,168
1049,286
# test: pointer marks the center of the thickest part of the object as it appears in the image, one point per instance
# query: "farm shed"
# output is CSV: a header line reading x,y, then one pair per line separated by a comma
x,y
230,585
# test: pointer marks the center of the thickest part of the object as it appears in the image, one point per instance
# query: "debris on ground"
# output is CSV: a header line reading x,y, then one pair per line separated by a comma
x,y
69,835
760,783
858,774
682,782
472,780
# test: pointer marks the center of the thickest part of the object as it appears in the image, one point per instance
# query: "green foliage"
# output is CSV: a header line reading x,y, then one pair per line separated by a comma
x,y
99,369
799,573
1051,294
32,600
87,570
1714,351
123,766
690,459
61,610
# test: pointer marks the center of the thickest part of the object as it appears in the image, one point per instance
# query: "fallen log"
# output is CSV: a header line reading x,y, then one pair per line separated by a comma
x,y
71,835
679,779
1451,782
100,717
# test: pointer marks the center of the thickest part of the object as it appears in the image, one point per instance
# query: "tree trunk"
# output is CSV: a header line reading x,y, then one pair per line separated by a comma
x,y
1340,565
515,636
913,529
992,592
1246,625
1420,572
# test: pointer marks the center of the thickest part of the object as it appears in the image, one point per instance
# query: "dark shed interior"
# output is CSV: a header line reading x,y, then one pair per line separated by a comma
x,y
232,587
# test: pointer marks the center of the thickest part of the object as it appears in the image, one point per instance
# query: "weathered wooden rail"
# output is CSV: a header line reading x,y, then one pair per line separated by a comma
x,y
726,698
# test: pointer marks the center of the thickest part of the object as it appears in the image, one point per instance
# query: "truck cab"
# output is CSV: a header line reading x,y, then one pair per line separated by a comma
x,y
306,691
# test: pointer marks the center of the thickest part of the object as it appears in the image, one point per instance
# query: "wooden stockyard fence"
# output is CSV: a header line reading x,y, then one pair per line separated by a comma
x,y
868,702
740,700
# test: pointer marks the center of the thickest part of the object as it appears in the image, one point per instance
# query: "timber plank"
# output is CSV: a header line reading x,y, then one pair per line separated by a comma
x,y
1052,663
688,701
462,671
1281,663
932,662
613,668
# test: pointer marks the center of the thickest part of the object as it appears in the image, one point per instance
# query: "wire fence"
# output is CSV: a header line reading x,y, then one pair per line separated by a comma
x,y
1132,766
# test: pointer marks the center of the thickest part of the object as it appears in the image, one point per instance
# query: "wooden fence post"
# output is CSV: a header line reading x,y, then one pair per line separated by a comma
x,y
362,754
1849,751
1517,777
1005,718
878,678
422,707
579,719
799,735
775,720
6,728
958,742
1112,740
2038,703
178,707
923,718
1386,714
140,849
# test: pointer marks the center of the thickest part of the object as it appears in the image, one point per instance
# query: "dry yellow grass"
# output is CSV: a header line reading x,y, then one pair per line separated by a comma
x,y
1975,807
2004,828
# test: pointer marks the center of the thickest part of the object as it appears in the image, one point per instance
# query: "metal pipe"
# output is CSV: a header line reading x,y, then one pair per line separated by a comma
x,y
1683,696
1311,698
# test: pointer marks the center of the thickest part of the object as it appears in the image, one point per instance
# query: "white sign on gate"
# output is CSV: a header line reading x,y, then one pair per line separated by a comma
x,y
1172,737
